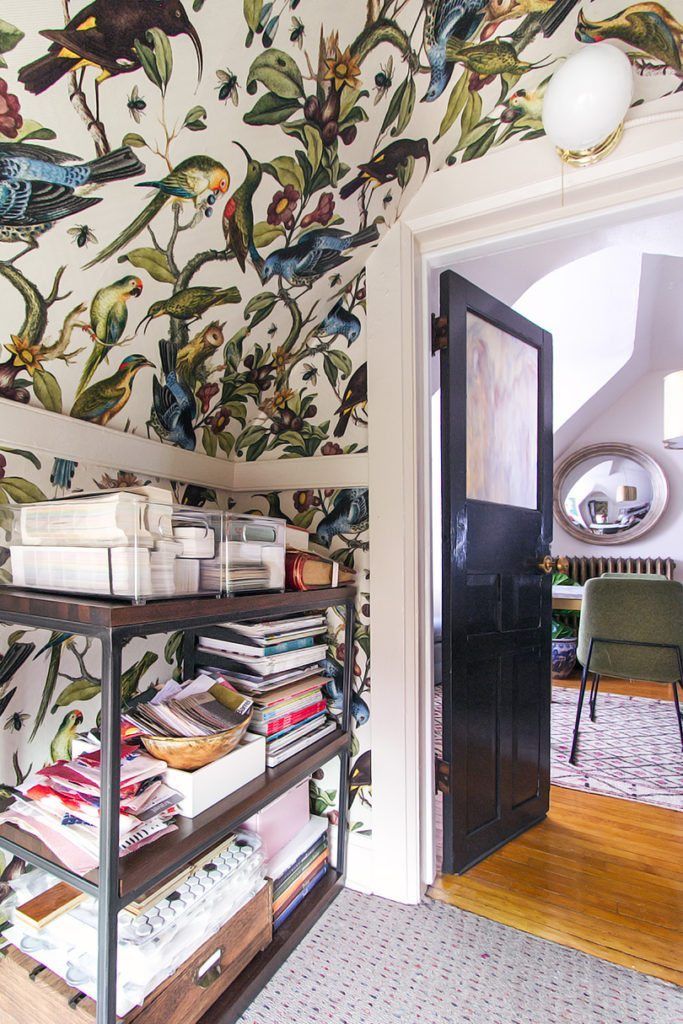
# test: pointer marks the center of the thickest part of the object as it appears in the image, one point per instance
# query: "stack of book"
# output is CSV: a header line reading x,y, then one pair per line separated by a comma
x,y
297,868
279,666
60,804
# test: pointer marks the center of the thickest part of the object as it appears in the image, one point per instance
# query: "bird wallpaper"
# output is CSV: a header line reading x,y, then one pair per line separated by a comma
x,y
189,191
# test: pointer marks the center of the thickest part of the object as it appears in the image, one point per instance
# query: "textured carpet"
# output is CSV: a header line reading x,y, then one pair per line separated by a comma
x,y
369,961
632,750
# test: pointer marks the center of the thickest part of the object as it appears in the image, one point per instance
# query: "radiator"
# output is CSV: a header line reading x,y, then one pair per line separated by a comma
x,y
583,568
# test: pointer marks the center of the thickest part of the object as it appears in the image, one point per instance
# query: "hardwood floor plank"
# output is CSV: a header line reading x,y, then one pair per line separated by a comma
x,y
601,875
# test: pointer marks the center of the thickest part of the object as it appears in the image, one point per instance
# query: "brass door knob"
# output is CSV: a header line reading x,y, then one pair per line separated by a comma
x,y
550,564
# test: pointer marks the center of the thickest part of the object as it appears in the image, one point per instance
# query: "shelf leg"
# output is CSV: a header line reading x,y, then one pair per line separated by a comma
x,y
344,757
109,830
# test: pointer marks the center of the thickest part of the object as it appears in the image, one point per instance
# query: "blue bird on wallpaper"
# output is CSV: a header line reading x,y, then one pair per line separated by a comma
x,y
340,320
37,186
447,19
63,473
333,691
173,403
318,252
350,514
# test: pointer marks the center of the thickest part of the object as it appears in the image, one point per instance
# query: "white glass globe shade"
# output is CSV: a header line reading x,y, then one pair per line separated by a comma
x,y
588,97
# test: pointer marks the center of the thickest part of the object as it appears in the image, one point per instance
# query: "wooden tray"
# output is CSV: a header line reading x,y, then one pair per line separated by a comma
x,y
44,998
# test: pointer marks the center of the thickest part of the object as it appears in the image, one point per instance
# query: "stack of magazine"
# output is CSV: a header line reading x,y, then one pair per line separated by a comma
x,y
279,666
60,804
187,709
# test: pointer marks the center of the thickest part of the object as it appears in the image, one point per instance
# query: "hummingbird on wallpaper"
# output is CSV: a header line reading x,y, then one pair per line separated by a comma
x,y
61,748
340,320
355,396
317,253
385,165
38,186
195,180
350,514
238,216
173,402
447,20
648,27
103,400
104,35
191,303
108,319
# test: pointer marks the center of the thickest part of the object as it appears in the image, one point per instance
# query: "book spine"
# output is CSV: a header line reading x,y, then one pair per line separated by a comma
x,y
289,645
299,897
292,719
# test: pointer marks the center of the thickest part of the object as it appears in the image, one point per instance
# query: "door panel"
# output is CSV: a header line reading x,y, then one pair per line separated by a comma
x,y
496,472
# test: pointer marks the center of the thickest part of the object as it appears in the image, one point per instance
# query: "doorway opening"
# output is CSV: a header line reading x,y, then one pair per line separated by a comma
x,y
602,872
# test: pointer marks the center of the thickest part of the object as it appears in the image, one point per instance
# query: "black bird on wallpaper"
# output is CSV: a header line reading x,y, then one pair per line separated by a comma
x,y
355,395
360,781
38,186
103,36
173,404
386,165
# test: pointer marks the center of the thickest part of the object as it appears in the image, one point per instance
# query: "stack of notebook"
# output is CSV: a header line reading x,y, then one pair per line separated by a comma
x,y
279,666
60,804
297,868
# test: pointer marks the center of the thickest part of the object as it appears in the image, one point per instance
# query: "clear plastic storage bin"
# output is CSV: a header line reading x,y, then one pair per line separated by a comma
x,y
136,546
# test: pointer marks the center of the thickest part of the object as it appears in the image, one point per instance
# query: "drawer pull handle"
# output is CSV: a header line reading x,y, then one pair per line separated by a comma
x,y
36,971
210,971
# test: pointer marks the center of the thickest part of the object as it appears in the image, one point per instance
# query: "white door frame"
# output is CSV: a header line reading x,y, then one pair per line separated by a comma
x,y
504,201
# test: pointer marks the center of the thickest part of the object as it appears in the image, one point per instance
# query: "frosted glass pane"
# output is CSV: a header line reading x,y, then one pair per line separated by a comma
x,y
502,416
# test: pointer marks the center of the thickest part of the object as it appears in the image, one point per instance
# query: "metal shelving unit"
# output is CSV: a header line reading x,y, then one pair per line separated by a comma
x,y
117,882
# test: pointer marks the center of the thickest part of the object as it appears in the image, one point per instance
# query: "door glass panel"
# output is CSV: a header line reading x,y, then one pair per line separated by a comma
x,y
502,416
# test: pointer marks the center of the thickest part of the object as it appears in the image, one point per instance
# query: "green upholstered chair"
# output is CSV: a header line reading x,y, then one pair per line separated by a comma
x,y
631,627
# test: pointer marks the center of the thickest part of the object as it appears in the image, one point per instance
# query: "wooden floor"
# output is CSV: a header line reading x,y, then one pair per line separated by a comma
x,y
601,875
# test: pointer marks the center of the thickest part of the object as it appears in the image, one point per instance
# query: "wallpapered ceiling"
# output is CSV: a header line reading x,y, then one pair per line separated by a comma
x,y
188,194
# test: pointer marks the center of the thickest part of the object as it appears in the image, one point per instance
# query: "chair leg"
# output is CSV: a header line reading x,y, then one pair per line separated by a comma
x,y
575,737
678,710
594,696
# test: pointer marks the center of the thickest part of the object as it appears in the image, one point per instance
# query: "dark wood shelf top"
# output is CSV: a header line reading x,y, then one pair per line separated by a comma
x,y
229,1007
144,870
90,615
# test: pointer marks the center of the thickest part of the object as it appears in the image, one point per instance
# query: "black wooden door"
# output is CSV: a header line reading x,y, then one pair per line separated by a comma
x,y
496,465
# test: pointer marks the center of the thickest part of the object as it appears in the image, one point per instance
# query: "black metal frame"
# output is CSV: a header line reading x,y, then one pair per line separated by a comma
x,y
107,887
592,701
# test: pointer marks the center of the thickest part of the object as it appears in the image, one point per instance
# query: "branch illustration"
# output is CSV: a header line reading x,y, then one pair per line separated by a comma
x,y
79,102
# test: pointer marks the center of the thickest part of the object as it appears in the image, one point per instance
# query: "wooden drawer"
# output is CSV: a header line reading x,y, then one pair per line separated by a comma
x,y
181,999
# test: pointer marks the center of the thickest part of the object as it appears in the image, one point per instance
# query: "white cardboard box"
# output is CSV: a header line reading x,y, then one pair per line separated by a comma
x,y
204,787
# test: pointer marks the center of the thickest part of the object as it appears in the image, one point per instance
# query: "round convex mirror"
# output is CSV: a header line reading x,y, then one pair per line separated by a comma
x,y
609,493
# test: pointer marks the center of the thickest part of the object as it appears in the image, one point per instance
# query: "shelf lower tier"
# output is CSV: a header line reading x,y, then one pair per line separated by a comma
x,y
244,989
146,869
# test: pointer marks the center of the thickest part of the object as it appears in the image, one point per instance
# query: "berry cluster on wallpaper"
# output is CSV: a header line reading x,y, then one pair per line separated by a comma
x,y
189,192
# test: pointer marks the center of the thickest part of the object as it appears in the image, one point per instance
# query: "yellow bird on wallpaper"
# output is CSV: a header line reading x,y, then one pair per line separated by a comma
x,y
647,27
198,179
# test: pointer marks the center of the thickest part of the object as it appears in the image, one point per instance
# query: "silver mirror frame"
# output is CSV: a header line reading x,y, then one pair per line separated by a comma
x,y
660,490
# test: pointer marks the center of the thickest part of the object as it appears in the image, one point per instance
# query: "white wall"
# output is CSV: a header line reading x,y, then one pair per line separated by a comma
x,y
636,418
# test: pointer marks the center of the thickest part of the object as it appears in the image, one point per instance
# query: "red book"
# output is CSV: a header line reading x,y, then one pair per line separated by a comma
x,y
294,718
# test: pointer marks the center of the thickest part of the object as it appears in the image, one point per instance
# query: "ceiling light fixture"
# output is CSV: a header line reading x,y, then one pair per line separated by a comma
x,y
586,102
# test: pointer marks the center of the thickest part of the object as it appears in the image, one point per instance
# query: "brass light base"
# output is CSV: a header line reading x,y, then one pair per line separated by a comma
x,y
586,157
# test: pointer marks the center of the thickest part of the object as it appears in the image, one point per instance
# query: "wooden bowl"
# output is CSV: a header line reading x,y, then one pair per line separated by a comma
x,y
191,752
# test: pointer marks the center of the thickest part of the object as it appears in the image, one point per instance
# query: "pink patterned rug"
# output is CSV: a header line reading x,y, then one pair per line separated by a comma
x,y
632,750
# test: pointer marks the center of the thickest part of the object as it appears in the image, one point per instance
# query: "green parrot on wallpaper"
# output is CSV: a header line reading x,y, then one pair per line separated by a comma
x,y
61,748
108,319
647,27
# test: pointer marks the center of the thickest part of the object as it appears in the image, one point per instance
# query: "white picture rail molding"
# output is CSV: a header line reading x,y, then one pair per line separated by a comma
x,y
26,426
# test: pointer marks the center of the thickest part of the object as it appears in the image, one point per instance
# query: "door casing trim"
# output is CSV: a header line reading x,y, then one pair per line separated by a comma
x,y
505,201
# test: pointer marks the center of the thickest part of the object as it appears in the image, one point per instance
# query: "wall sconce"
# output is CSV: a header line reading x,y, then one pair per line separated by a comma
x,y
673,410
586,102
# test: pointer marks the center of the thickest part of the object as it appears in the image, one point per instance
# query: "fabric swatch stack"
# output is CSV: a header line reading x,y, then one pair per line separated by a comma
x,y
279,666
60,804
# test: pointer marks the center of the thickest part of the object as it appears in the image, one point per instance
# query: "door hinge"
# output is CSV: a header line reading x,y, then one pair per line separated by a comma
x,y
439,333
442,776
